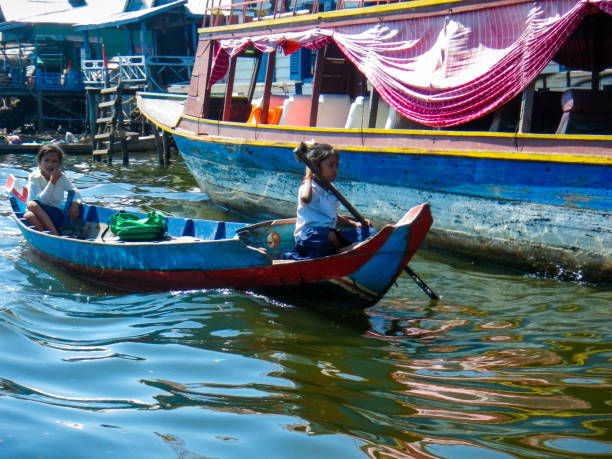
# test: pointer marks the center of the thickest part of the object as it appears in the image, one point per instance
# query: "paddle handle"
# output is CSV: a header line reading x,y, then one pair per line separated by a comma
x,y
429,292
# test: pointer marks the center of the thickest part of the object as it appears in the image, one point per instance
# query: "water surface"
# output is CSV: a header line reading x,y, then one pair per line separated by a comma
x,y
504,365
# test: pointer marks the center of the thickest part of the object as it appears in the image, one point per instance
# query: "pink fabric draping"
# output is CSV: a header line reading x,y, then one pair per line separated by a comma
x,y
604,5
447,70
311,39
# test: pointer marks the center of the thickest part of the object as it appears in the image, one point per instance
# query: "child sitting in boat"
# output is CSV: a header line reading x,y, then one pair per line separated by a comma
x,y
315,228
46,187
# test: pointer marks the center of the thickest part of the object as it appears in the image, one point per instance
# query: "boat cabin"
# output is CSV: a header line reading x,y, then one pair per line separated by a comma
x,y
407,65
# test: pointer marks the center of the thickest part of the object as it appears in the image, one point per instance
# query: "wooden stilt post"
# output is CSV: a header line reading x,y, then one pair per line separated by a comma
x,y
39,111
124,149
166,147
158,146
92,112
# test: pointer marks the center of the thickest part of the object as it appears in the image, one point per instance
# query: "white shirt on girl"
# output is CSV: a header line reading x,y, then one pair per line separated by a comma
x,y
41,189
321,211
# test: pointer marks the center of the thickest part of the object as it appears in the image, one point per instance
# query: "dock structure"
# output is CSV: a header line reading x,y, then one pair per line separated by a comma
x,y
111,129
110,89
54,58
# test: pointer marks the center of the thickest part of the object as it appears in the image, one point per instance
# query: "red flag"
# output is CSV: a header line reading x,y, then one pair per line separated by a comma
x,y
290,47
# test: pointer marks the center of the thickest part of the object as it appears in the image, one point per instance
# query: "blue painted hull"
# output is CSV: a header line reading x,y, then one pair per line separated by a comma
x,y
197,254
541,203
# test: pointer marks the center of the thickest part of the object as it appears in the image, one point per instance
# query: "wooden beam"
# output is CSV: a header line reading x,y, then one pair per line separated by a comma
x,y
526,109
253,83
265,101
317,80
229,90
373,109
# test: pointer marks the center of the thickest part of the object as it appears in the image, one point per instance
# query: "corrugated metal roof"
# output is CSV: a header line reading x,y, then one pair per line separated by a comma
x,y
125,17
17,10
109,6
70,16
97,14
197,7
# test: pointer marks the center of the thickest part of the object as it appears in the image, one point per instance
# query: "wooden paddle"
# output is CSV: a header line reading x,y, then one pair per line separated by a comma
x,y
315,170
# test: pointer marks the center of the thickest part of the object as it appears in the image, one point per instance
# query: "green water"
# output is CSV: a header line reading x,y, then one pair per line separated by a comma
x,y
504,365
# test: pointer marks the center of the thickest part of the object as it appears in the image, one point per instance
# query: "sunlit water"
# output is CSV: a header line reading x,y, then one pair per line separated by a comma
x,y
504,365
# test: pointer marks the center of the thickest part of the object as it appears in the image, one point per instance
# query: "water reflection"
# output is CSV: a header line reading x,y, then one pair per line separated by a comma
x,y
502,366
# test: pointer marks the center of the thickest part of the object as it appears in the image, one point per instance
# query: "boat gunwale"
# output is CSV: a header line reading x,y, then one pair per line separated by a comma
x,y
512,156
361,248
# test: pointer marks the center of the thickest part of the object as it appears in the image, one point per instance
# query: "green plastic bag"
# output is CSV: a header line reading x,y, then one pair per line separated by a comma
x,y
131,228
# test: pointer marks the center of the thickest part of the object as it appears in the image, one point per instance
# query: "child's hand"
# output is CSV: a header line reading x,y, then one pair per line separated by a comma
x,y
55,176
358,224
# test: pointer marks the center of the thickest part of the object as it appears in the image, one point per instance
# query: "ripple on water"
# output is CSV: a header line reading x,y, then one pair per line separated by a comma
x,y
504,365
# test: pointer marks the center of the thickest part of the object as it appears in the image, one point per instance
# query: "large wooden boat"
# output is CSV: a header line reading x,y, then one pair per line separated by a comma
x,y
196,254
426,101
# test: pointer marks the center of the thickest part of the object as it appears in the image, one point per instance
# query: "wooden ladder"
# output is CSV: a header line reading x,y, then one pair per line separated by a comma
x,y
110,128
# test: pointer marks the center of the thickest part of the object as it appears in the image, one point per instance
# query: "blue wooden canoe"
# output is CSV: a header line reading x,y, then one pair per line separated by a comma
x,y
196,254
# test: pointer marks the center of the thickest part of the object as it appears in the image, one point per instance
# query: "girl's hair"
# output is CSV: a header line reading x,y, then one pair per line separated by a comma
x,y
316,152
50,148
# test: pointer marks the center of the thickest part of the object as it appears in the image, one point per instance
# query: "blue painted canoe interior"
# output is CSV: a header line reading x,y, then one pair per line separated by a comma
x,y
96,220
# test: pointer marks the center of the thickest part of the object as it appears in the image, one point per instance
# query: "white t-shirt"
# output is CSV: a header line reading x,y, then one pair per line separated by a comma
x,y
48,193
321,211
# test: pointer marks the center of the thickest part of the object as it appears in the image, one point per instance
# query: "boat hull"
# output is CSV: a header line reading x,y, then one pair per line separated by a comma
x,y
551,217
199,254
535,202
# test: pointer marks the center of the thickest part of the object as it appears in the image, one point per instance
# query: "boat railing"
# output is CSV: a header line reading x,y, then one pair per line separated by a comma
x,y
345,4
138,70
169,69
221,12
